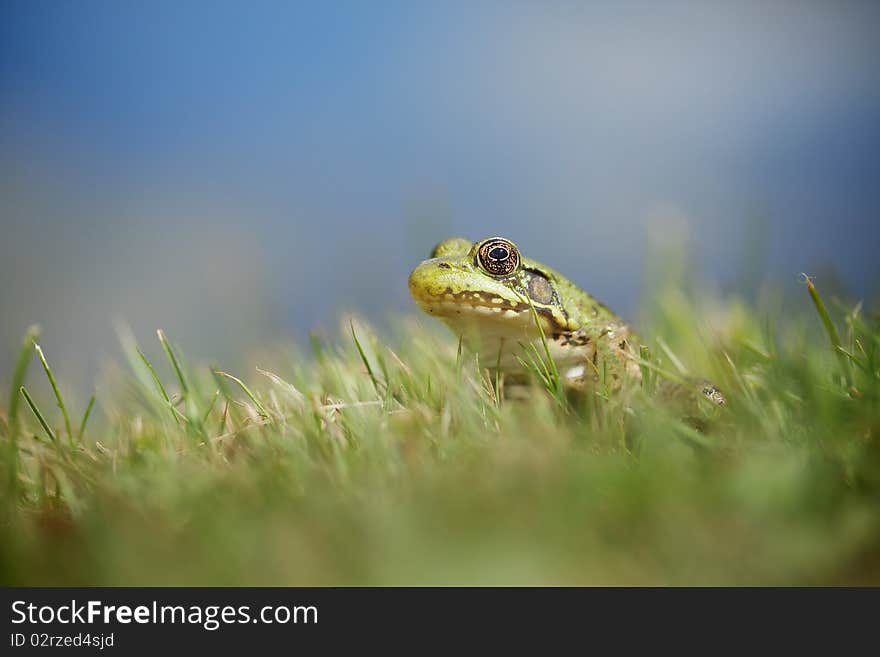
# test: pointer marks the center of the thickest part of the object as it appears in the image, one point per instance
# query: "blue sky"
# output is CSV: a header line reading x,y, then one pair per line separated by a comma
x,y
303,157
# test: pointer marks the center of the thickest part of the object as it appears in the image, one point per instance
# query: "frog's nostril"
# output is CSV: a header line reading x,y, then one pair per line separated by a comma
x,y
444,265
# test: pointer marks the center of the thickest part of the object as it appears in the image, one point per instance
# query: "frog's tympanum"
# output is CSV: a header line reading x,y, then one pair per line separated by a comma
x,y
493,296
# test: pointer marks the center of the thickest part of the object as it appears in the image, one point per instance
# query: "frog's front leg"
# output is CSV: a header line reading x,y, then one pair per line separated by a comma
x,y
621,342
598,355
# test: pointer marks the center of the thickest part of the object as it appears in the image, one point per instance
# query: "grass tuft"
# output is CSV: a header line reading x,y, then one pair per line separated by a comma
x,y
406,461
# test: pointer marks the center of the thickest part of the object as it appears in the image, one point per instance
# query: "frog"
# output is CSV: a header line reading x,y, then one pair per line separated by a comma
x,y
498,300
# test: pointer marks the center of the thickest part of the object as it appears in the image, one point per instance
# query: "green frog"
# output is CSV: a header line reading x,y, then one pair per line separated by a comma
x,y
494,297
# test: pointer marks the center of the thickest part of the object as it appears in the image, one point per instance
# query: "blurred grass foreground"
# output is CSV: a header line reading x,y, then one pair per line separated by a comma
x,y
368,461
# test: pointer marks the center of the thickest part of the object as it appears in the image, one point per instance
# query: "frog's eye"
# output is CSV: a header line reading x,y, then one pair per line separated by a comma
x,y
498,257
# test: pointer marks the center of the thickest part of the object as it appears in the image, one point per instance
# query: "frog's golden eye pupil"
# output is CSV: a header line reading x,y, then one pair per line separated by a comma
x,y
498,257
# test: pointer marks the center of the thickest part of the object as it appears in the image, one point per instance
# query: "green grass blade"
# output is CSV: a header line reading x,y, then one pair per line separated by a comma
x,y
221,428
833,335
214,399
82,426
164,393
537,364
554,381
193,416
289,388
39,415
364,359
172,357
551,364
19,374
498,374
57,392
156,378
247,391
671,356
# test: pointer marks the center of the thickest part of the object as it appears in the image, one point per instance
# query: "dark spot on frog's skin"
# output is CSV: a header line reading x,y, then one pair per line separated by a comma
x,y
622,344
575,339
444,265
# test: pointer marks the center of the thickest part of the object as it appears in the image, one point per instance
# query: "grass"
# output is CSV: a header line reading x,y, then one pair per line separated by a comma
x,y
401,462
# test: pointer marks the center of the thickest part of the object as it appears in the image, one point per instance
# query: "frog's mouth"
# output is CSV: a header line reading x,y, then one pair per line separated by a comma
x,y
469,304
480,316
436,287
498,330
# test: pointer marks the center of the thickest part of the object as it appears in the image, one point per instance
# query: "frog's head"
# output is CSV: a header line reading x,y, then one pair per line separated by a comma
x,y
486,285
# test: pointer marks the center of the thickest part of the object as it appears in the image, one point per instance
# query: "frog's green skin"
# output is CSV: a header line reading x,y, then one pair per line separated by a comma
x,y
493,313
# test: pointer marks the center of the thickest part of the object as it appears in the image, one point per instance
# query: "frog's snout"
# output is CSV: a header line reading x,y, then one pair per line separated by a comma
x,y
420,278
430,280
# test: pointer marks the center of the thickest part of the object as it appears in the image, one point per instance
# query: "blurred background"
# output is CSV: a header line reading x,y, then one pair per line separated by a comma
x,y
242,172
